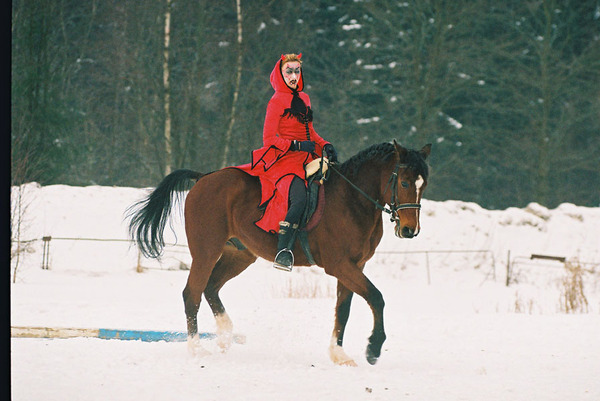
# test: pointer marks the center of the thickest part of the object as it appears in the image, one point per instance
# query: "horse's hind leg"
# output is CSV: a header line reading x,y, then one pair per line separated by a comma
x,y
206,229
192,296
231,263
200,272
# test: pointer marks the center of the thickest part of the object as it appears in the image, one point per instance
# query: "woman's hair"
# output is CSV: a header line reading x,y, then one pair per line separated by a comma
x,y
286,58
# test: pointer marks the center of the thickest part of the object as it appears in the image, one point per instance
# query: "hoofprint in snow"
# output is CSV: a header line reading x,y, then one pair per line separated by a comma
x,y
455,330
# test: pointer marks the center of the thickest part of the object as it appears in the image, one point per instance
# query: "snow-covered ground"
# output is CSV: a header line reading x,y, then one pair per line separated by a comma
x,y
455,330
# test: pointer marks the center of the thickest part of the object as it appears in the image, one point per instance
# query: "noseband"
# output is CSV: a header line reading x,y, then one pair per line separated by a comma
x,y
394,207
393,184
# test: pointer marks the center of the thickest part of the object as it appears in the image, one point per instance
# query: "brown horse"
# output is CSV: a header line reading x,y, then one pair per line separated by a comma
x,y
223,205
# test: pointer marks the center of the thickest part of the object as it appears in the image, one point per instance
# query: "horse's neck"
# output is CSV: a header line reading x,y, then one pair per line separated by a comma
x,y
368,179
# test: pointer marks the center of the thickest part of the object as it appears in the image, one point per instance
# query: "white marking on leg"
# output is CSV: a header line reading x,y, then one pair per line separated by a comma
x,y
338,355
224,331
196,349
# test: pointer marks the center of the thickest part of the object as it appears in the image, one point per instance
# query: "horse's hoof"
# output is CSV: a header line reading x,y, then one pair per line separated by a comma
x,y
195,349
372,359
224,341
374,347
349,362
372,356
224,331
339,357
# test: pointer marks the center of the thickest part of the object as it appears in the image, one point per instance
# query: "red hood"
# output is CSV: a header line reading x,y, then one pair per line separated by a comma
x,y
278,83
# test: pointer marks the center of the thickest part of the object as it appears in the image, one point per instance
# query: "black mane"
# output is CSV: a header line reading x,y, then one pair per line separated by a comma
x,y
383,152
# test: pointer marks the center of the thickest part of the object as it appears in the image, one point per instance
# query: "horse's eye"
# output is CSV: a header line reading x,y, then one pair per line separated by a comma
x,y
404,184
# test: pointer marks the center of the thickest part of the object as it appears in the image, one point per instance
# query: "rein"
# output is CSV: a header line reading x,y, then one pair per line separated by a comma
x,y
393,182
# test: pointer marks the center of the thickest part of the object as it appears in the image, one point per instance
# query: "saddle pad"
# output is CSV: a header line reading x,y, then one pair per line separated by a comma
x,y
314,166
315,207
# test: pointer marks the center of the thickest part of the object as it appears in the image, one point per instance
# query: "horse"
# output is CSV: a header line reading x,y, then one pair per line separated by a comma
x,y
221,209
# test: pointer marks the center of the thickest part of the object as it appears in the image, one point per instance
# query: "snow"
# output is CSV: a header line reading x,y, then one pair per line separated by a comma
x,y
361,121
455,330
351,26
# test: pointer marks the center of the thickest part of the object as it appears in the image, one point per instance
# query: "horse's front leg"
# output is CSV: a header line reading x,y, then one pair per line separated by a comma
x,y
342,312
353,279
375,300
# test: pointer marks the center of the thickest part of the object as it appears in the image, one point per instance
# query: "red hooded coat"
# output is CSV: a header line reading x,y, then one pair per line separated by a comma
x,y
275,164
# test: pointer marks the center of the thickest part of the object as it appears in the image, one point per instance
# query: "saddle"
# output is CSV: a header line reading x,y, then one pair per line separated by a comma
x,y
316,173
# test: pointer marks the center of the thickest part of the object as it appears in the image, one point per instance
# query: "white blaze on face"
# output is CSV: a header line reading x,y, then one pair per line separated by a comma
x,y
418,184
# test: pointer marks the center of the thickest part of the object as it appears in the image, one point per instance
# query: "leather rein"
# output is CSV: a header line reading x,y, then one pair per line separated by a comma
x,y
393,185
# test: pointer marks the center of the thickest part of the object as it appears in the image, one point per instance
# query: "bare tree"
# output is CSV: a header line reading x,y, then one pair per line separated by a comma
x,y
167,91
236,90
118,93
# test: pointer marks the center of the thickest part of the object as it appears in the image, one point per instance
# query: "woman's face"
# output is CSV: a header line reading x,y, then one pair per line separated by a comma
x,y
291,73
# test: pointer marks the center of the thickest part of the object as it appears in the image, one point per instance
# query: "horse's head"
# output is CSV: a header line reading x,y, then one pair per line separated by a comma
x,y
405,187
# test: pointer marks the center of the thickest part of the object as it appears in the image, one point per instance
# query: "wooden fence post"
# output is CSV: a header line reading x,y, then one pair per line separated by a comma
x,y
46,252
508,269
139,267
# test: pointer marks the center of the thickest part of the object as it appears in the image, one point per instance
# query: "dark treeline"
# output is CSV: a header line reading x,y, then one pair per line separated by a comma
x,y
115,92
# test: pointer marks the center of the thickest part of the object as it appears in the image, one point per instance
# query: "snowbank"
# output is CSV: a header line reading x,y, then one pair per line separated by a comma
x,y
455,330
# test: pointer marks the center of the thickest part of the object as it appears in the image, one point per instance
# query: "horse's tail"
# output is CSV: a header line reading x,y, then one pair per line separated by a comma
x,y
149,216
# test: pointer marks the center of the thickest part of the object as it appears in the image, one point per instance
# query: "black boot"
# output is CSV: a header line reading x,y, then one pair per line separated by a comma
x,y
284,259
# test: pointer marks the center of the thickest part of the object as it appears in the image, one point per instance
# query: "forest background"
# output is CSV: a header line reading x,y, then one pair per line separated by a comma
x,y
120,92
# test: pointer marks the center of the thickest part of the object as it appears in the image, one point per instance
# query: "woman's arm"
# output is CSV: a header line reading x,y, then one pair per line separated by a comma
x,y
271,128
313,134
317,138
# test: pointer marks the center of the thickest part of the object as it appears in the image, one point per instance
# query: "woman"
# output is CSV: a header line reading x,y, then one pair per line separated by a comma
x,y
289,143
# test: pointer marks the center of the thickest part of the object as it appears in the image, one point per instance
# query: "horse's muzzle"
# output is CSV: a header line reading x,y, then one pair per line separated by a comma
x,y
405,232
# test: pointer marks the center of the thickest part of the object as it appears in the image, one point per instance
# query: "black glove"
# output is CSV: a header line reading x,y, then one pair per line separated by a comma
x,y
304,146
331,153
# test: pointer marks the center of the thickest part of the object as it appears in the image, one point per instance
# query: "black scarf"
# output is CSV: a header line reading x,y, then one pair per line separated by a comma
x,y
298,109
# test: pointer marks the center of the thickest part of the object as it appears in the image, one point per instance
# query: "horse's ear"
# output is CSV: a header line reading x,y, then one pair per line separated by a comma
x,y
425,151
402,151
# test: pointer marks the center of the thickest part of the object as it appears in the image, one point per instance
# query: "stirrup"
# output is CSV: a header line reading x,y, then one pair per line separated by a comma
x,y
278,265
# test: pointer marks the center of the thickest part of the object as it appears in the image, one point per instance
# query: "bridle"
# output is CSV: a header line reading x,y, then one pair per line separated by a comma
x,y
391,184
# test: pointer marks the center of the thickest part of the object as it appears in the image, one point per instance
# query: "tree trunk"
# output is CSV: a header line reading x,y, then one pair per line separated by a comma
x,y
167,94
236,90
544,141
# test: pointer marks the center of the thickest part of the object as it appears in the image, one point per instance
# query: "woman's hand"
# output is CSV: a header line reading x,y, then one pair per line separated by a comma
x,y
331,153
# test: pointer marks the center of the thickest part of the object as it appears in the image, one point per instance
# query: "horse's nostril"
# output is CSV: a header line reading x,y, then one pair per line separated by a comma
x,y
407,232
